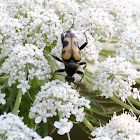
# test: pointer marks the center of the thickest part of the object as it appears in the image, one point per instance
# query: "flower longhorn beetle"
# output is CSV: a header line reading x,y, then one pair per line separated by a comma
x,y
70,55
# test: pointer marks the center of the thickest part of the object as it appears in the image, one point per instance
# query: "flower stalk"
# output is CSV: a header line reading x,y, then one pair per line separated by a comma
x,y
125,105
88,124
68,135
133,101
18,101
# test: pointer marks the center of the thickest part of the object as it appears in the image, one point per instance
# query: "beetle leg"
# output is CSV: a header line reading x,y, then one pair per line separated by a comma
x,y
60,70
84,45
80,72
55,57
72,24
83,63
62,37
86,36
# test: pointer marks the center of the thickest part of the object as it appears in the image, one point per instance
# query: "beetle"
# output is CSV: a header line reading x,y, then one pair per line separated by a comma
x,y
71,56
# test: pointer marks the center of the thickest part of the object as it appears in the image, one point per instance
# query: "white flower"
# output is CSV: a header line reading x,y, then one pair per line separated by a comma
x,y
129,43
24,85
104,19
41,23
115,76
32,23
79,114
43,116
12,127
63,125
123,127
58,98
21,59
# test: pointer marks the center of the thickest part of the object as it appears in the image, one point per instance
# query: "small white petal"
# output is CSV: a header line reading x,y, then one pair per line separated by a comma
x,y
62,131
57,124
44,119
38,119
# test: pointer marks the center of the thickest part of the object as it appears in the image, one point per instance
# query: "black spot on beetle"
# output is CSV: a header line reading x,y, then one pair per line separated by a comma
x,y
75,43
72,35
63,52
65,43
67,35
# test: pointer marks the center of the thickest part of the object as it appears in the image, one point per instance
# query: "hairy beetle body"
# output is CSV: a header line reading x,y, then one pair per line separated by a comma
x,y
71,67
70,49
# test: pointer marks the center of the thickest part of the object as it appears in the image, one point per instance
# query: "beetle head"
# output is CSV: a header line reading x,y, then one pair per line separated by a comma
x,y
69,79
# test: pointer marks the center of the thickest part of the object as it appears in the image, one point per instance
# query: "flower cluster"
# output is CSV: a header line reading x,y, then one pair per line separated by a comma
x,y
41,23
12,127
27,27
124,127
115,76
29,22
21,59
58,98
129,43
103,19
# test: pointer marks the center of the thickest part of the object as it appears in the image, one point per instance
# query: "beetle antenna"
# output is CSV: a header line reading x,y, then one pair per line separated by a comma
x,y
72,24
90,96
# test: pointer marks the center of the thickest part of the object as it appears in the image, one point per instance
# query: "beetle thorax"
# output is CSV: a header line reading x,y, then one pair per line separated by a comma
x,y
71,67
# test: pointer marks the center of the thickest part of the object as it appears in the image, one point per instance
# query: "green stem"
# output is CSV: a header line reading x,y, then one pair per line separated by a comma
x,y
125,105
17,103
68,135
133,101
88,124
